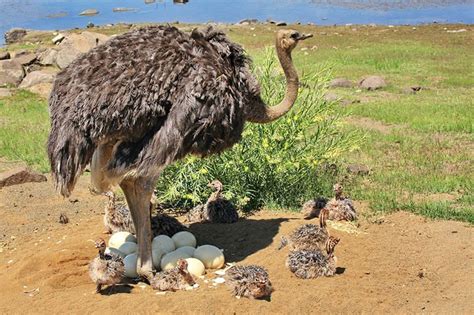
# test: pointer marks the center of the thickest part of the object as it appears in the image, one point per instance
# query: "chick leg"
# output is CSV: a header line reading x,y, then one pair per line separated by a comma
x,y
138,193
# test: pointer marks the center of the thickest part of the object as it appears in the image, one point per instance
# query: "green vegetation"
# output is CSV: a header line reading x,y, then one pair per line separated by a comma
x,y
24,126
278,165
419,147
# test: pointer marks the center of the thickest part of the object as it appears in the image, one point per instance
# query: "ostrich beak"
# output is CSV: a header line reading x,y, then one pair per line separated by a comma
x,y
304,36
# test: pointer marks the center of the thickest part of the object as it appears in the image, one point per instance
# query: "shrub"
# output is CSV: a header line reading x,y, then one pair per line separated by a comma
x,y
275,165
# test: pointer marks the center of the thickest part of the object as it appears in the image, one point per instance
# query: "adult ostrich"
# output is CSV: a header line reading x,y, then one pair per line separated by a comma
x,y
149,97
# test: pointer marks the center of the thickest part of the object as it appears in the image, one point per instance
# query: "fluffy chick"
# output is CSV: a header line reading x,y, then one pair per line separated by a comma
x,y
249,281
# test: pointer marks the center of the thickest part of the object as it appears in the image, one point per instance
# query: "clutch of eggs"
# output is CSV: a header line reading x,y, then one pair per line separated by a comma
x,y
166,251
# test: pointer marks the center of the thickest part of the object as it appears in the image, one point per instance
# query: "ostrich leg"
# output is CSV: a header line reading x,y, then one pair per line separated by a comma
x,y
138,193
99,180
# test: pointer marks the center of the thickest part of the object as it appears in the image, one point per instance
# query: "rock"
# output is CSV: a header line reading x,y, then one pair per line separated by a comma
x,y
58,38
120,9
358,169
270,21
75,44
248,21
408,90
89,12
341,82
372,83
4,92
11,72
42,89
37,77
48,57
14,35
90,25
20,175
63,219
331,97
281,23
25,58
4,55
412,89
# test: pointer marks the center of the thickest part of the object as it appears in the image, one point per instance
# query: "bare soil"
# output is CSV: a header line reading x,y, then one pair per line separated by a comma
x,y
400,263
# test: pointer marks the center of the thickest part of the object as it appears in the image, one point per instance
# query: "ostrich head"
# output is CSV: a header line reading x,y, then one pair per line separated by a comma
x,y
337,189
216,185
286,41
100,245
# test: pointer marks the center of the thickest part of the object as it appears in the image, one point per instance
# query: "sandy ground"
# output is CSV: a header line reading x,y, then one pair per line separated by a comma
x,y
401,263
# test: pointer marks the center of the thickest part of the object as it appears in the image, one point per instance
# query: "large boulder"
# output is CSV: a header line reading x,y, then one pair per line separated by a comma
x,y
42,89
14,35
373,82
19,176
4,92
48,57
37,77
4,55
11,72
25,58
75,44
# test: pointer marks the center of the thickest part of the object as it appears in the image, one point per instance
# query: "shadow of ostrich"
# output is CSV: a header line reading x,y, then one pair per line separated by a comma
x,y
238,240
149,97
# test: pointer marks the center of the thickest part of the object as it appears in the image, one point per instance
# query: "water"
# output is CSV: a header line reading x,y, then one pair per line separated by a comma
x,y
64,14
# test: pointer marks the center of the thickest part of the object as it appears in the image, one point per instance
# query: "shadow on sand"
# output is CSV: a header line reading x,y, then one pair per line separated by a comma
x,y
240,239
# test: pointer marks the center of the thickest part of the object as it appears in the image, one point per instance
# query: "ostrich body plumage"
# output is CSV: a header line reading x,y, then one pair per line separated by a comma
x,y
157,92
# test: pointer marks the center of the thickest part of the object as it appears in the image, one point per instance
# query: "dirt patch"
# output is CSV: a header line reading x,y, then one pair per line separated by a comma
x,y
404,263
370,124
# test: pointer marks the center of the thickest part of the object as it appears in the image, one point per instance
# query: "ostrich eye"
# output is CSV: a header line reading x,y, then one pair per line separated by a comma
x,y
295,35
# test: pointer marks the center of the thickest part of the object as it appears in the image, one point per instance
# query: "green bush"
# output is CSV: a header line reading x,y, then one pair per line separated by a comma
x,y
275,165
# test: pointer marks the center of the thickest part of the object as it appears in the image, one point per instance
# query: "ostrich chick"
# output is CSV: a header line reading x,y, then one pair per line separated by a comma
x,y
105,269
308,236
117,217
312,208
249,281
341,208
174,279
307,264
217,209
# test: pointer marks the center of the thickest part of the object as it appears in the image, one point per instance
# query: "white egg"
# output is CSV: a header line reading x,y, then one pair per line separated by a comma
x,y
187,249
114,251
211,256
119,238
195,267
169,260
128,248
163,242
157,254
184,238
130,262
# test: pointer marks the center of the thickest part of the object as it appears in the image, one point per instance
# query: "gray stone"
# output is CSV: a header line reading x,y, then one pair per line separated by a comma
x,y
25,58
331,97
372,83
19,176
281,23
48,57
271,21
42,89
341,82
248,21
75,44
14,35
37,77
4,55
4,92
89,12
90,25
11,72
358,169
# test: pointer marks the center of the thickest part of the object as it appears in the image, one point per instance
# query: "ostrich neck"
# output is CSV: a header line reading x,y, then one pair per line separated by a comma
x,y
260,112
215,195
